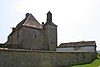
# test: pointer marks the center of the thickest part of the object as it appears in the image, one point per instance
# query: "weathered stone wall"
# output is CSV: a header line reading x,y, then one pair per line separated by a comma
x,y
32,38
23,58
50,37
28,38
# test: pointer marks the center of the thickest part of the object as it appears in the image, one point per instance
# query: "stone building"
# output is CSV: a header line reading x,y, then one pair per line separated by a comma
x,y
82,46
30,34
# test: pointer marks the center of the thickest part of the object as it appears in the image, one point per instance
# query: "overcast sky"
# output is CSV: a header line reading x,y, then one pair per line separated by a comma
x,y
77,20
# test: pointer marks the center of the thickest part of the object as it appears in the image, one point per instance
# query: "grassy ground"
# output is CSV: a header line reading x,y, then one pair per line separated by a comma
x,y
95,63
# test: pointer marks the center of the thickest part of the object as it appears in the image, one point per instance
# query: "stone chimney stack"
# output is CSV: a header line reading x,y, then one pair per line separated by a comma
x,y
27,14
13,29
49,17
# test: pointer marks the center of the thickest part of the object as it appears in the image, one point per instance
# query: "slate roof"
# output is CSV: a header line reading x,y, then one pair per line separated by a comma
x,y
77,44
29,21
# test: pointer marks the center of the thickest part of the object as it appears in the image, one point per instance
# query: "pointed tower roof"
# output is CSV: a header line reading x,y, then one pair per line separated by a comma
x,y
29,21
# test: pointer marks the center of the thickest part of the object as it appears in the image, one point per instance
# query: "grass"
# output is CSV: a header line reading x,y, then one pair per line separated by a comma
x,y
95,63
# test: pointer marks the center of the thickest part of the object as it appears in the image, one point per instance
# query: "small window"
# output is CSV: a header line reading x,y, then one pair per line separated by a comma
x,y
35,36
52,42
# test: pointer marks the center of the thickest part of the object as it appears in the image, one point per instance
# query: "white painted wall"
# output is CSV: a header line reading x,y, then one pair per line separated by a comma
x,y
81,49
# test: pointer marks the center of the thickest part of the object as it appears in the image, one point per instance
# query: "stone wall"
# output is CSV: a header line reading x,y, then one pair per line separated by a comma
x,y
77,49
28,38
50,37
28,58
32,38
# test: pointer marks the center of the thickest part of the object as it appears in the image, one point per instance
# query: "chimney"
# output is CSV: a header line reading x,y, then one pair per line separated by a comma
x,y
49,17
27,14
13,29
42,23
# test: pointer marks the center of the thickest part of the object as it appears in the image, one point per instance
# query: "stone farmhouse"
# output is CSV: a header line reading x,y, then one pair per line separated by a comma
x,y
30,34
